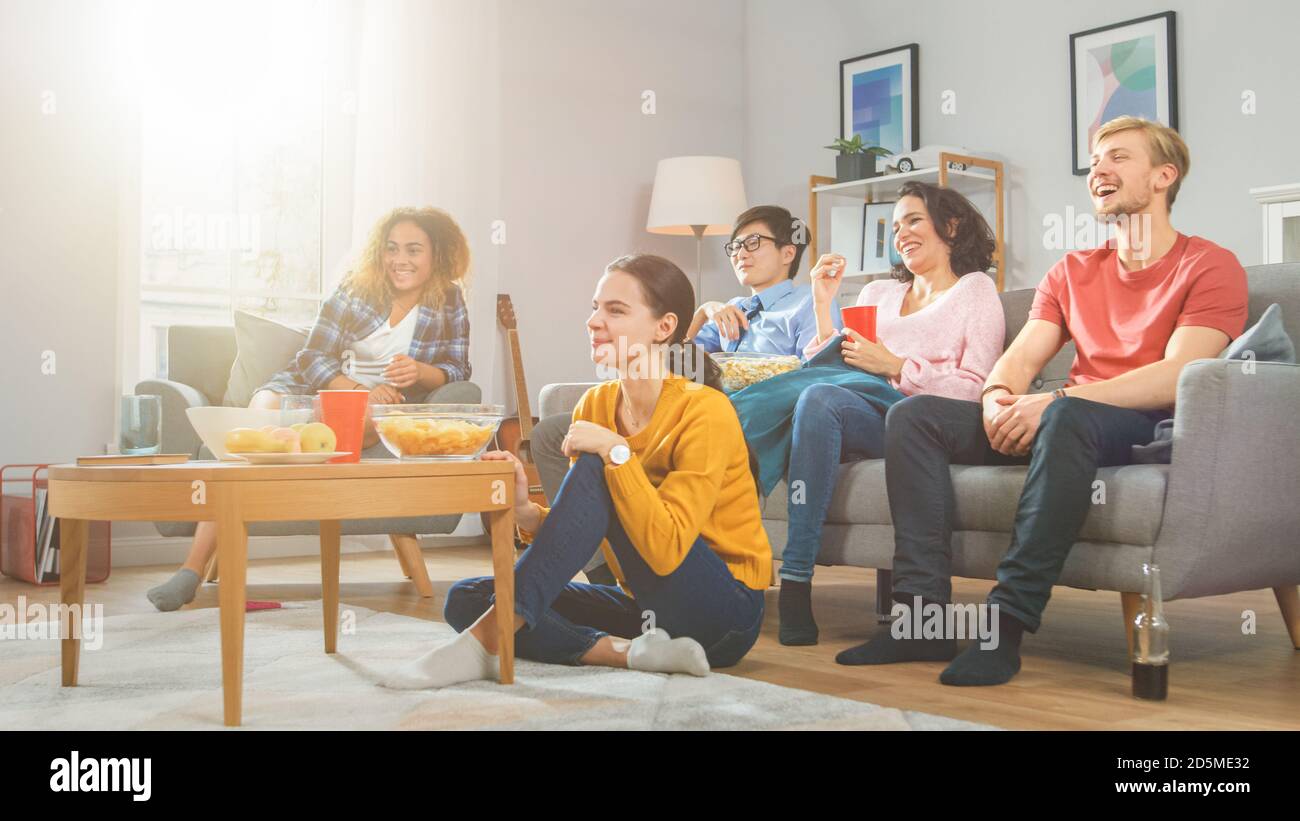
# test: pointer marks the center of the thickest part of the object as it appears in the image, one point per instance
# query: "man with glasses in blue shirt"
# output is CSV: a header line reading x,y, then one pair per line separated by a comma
x,y
766,247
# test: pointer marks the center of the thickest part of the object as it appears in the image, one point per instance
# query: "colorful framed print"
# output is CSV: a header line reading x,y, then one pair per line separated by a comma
x,y
879,99
1125,68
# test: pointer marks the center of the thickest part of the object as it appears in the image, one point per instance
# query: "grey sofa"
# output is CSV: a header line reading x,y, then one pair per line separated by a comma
x,y
199,359
1223,517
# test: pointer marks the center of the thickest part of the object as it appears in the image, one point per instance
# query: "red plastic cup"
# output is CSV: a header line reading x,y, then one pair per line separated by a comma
x,y
861,318
345,413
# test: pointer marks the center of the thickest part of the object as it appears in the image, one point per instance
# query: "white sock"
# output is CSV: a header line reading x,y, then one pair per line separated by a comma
x,y
464,658
657,652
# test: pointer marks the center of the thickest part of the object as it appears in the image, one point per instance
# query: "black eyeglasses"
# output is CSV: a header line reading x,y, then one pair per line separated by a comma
x,y
749,243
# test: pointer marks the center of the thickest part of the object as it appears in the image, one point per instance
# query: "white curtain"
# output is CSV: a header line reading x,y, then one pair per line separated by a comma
x,y
425,110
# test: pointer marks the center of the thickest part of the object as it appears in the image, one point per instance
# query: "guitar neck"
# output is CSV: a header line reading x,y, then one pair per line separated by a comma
x,y
521,387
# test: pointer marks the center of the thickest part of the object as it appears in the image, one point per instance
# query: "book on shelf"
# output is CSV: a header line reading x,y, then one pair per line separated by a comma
x,y
47,540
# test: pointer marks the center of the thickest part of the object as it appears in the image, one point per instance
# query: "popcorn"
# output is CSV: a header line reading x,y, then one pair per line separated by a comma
x,y
739,371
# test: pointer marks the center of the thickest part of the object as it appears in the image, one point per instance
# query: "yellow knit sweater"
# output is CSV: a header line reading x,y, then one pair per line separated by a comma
x,y
688,477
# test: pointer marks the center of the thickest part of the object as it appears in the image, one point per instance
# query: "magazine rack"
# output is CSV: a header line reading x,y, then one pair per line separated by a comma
x,y
19,528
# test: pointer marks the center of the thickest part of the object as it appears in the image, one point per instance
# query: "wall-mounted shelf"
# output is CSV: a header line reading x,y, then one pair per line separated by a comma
x,y
979,176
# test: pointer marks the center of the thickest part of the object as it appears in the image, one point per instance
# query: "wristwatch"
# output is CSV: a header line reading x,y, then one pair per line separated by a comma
x,y
619,454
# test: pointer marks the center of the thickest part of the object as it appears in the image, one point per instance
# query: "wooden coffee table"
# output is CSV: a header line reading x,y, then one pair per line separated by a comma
x,y
233,494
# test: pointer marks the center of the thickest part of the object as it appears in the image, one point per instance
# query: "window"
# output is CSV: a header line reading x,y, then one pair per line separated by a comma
x,y
231,135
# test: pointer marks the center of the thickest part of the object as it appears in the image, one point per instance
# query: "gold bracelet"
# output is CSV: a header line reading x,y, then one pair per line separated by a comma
x,y
993,388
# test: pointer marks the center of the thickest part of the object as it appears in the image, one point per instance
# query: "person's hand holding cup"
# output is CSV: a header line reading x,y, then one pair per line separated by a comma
x,y
861,318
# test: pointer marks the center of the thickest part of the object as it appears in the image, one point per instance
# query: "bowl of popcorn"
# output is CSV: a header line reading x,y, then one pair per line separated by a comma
x,y
741,369
436,432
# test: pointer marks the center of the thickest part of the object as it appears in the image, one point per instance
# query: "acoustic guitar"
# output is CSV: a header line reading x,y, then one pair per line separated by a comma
x,y
516,432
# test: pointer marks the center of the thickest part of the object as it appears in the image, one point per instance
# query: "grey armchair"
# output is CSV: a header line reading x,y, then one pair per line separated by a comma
x,y
199,359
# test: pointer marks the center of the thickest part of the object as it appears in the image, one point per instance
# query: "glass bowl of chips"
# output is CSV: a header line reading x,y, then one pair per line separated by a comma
x,y
436,432
740,369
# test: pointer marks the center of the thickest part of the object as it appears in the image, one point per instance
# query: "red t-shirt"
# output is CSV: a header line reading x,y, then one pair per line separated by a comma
x,y
1121,320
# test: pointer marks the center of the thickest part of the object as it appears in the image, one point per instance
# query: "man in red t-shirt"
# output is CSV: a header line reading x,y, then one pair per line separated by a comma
x,y
1138,310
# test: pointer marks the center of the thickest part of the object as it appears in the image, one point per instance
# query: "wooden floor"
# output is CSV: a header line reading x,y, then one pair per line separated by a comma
x,y
1074,674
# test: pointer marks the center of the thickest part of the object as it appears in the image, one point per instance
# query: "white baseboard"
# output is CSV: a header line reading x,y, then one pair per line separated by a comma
x,y
140,551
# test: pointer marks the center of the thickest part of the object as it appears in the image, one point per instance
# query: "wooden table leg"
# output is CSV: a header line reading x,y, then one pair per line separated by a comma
x,y
1288,599
502,525
232,553
412,560
329,581
72,592
1132,603
401,558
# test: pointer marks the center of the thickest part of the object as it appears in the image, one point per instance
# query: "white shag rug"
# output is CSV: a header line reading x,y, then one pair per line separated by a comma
x,y
162,671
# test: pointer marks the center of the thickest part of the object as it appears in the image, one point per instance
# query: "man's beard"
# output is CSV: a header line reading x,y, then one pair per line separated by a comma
x,y
1127,205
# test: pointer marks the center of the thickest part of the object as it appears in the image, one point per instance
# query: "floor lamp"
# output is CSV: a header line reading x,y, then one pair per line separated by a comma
x,y
696,195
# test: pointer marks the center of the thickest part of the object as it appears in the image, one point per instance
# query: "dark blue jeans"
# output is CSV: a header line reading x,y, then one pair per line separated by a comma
x,y
926,434
564,619
832,425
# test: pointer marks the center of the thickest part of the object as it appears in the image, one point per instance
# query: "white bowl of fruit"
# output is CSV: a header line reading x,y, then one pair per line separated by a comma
x,y
251,434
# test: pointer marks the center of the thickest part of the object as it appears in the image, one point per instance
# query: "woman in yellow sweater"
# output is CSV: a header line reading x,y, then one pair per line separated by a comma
x,y
660,480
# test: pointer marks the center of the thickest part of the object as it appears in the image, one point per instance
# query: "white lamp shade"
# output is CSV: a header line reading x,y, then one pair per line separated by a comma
x,y
690,191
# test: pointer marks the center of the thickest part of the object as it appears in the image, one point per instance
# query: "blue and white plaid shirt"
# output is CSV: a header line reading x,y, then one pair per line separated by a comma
x,y
440,339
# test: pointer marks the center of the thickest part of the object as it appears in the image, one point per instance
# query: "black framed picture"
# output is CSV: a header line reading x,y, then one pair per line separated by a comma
x,y
879,99
1125,68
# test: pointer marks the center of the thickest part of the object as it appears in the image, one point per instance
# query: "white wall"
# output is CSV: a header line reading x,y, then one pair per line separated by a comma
x,y
579,156
58,230
1008,63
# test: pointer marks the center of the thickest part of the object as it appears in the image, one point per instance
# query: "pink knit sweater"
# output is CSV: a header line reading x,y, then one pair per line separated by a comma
x,y
950,345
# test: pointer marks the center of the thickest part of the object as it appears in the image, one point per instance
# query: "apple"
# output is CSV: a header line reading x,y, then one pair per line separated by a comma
x,y
285,440
248,440
318,437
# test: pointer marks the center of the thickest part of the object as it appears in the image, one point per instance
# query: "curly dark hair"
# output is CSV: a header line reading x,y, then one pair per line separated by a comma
x,y
970,244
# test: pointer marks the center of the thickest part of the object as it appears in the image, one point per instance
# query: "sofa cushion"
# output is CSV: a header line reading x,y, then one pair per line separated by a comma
x,y
264,349
200,356
1015,309
986,496
1265,341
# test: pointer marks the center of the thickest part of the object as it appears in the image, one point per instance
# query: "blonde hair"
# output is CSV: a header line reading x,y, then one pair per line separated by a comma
x,y
450,258
1164,146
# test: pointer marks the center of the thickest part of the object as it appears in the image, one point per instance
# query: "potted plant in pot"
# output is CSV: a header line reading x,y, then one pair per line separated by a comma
x,y
856,161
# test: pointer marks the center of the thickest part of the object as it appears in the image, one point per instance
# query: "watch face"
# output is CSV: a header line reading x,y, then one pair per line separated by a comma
x,y
619,454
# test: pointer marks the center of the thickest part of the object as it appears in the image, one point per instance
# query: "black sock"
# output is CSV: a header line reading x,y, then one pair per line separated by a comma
x,y
884,648
794,603
980,667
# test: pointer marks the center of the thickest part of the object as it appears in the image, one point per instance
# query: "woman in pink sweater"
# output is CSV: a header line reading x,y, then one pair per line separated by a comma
x,y
939,327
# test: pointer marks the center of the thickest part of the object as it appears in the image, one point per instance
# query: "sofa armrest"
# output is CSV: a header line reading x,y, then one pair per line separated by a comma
x,y
561,397
455,393
1231,515
178,434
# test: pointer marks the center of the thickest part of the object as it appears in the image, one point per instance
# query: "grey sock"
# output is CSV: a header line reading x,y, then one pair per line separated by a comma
x,y
176,591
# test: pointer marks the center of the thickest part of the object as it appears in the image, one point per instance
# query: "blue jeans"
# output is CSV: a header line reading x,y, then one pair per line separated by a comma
x,y
832,425
564,619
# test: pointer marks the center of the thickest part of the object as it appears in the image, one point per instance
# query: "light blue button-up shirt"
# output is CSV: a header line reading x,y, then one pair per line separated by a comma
x,y
786,324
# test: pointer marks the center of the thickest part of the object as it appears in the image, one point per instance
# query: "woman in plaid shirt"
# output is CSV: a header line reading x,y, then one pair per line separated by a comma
x,y
405,294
